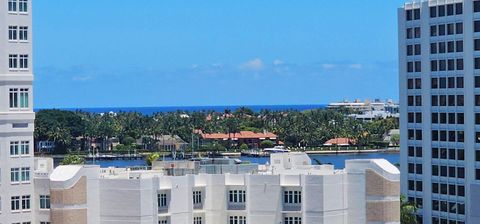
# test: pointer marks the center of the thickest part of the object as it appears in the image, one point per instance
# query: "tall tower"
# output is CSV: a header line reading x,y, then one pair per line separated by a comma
x,y
439,64
16,112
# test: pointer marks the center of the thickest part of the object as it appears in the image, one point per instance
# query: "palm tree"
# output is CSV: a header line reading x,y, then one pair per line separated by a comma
x,y
407,211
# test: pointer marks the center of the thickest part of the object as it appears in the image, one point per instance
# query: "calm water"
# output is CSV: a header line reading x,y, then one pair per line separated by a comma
x,y
152,110
337,160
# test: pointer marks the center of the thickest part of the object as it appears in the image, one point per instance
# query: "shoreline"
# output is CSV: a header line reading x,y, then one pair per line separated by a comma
x,y
324,152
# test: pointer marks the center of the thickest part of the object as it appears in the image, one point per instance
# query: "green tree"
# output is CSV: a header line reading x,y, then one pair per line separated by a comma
x,y
395,139
73,160
266,144
244,147
407,211
152,157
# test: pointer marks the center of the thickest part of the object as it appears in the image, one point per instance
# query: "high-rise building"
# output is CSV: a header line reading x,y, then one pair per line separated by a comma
x,y
16,114
439,64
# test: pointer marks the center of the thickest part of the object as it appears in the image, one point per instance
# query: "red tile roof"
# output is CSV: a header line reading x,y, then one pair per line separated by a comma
x,y
240,135
340,141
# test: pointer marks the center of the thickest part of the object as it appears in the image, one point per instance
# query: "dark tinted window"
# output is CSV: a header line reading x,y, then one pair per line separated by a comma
x,y
459,28
450,10
459,8
433,31
459,46
477,63
416,13
441,10
476,6
433,12
476,26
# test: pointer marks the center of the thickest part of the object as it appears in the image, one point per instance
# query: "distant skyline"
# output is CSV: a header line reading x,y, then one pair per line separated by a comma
x,y
196,53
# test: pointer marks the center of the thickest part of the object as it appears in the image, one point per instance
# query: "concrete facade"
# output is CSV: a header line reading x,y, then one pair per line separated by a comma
x,y
290,191
439,92
16,114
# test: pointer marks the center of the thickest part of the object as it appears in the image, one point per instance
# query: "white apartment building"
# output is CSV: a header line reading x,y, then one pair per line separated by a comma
x,y
16,114
439,58
288,191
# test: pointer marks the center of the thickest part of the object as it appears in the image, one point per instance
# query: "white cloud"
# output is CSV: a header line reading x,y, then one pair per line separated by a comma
x,y
278,62
356,66
253,65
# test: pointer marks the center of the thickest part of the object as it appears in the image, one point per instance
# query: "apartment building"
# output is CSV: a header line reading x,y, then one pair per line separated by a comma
x,y
289,191
16,114
439,58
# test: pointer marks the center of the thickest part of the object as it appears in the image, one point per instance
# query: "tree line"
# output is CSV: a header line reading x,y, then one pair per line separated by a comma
x,y
73,130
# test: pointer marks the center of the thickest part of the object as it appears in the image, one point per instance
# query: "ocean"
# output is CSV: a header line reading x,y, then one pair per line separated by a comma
x,y
153,110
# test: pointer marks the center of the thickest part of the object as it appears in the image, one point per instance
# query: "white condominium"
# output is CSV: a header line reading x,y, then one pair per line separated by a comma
x,y
16,114
288,191
439,58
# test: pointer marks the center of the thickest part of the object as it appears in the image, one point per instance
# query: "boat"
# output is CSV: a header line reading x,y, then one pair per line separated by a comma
x,y
276,149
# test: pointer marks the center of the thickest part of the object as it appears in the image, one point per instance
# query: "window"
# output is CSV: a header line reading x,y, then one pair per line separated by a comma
x,y
23,33
450,10
25,171
236,196
477,63
292,197
458,8
418,49
14,175
197,197
459,28
15,203
409,15
44,201
459,64
433,31
476,6
25,147
459,45
26,202
162,200
18,98
12,61
416,14
460,82
238,220
409,50
476,26
197,220
164,221
433,12
433,48
450,29
23,61
409,33
441,30
23,5
416,32
410,83
14,148
441,10
12,32
292,220
12,5
477,44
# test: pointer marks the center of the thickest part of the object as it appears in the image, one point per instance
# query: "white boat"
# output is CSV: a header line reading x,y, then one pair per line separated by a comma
x,y
276,149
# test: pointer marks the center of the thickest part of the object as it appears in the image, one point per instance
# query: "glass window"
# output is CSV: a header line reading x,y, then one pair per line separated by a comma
x,y
476,6
433,11
459,28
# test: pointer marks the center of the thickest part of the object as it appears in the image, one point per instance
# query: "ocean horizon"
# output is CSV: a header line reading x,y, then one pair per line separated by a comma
x,y
153,110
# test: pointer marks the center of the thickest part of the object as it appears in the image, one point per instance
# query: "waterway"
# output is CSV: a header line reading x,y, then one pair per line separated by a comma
x,y
338,160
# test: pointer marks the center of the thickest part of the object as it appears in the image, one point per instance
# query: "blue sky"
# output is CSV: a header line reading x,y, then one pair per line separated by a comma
x,y
111,53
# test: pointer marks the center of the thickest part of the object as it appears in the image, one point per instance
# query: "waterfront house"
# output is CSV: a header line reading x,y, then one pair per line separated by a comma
x,y
252,139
